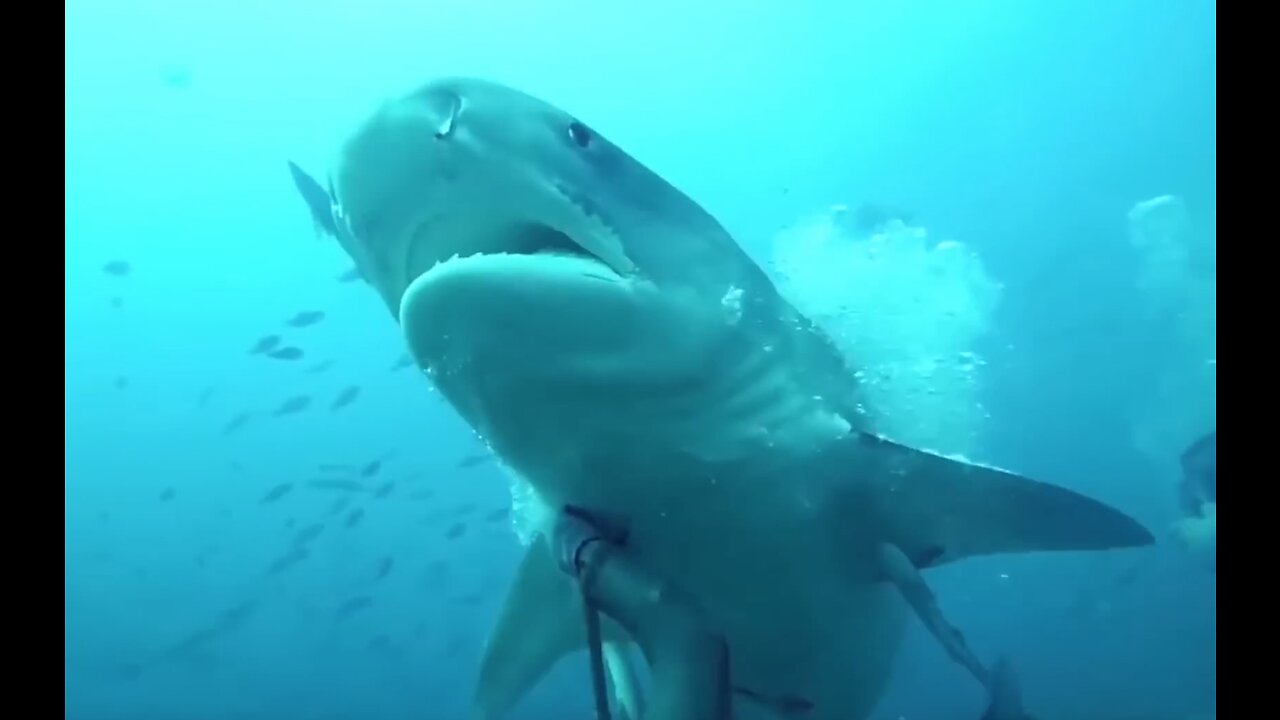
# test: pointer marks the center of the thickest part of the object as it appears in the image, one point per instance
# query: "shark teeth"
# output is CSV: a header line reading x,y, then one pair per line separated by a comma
x,y
459,256
590,230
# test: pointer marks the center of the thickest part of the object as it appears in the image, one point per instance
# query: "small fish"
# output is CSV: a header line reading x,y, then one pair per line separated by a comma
x,y
305,318
456,531
403,362
308,533
470,600
277,492
384,568
354,605
339,505
122,382
354,517
465,508
320,367
204,396
471,461
167,495
295,404
116,302
288,560
288,524
351,275
236,423
193,646
497,515
384,489
335,468
345,398
286,353
266,343
119,268
423,494
336,484
371,469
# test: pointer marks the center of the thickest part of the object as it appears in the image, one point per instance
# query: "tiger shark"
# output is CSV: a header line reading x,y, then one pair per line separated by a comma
x,y
619,351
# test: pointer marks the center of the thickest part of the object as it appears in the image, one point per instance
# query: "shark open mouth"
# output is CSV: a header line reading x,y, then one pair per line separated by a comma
x,y
536,239
599,245
540,218
515,239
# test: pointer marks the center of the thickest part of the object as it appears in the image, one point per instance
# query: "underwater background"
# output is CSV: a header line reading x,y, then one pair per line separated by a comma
x,y
270,513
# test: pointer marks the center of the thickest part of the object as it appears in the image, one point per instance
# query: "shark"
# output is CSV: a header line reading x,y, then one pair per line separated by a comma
x,y
622,354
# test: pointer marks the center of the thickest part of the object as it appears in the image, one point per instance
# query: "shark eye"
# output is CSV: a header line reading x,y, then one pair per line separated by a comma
x,y
580,134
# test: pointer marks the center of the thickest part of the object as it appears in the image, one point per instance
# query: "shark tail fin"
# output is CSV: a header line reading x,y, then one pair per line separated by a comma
x,y
939,509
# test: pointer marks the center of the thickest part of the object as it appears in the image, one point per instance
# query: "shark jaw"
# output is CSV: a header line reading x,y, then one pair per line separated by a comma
x,y
540,291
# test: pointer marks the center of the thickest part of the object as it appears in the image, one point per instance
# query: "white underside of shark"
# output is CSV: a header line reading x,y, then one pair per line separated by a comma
x,y
751,543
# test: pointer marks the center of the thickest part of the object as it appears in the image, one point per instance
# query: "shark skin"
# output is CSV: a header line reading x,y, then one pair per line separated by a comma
x,y
616,348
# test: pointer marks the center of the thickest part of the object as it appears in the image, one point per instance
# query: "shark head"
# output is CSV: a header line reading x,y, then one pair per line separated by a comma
x,y
520,249
466,168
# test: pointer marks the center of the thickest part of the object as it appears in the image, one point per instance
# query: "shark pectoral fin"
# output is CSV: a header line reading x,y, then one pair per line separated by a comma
x,y
541,621
938,509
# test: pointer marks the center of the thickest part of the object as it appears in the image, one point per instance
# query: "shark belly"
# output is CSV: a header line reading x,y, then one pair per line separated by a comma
x,y
694,469
800,622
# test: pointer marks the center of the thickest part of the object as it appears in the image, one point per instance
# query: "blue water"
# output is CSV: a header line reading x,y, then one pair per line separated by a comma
x,y
1025,130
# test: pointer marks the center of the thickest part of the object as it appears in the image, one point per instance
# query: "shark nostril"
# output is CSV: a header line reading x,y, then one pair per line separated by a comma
x,y
444,107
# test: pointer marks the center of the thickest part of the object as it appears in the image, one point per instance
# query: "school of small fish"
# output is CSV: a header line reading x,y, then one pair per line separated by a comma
x,y
312,525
